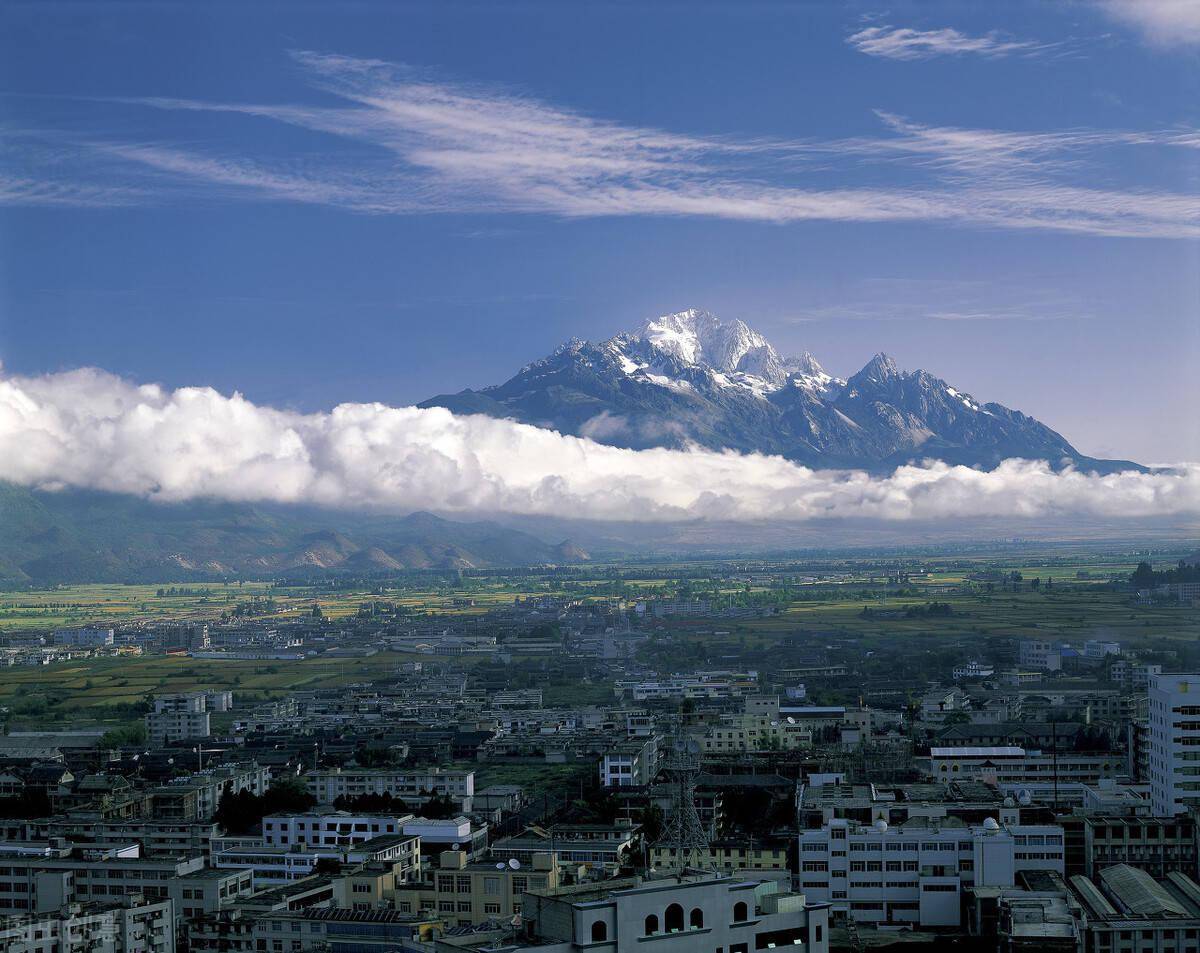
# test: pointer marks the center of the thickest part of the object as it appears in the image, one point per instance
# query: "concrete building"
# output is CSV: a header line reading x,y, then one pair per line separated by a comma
x,y
130,924
629,764
1039,654
327,785
271,865
1173,756
179,717
329,828
1011,764
692,912
1128,911
468,894
916,872
86,638
1158,845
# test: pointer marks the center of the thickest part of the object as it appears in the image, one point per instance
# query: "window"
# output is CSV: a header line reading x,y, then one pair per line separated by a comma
x,y
651,924
696,918
599,931
740,912
673,919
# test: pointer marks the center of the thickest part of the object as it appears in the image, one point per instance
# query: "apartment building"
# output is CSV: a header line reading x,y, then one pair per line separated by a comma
x,y
130,924
1039,654
760,858
327,785
1158,845
915,873
629,764
271,865
328,828
1173,755
41,878
178,717
467,894
1010,764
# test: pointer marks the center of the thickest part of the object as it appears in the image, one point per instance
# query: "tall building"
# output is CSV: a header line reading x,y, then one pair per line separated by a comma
x,y
178,717
1174,743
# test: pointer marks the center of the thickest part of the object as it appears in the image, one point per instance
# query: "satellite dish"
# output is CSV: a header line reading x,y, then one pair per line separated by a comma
x,y
514,864
456,845
791,720
500,866
881,825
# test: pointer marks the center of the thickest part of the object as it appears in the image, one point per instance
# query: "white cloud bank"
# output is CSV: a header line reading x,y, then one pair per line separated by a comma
x,y
87,428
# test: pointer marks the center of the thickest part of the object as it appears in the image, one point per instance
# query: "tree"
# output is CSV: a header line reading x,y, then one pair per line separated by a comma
x,y
438,807
134,734
652,823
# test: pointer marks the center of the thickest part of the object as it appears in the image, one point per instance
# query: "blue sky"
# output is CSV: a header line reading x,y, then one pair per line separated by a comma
x,y
313,204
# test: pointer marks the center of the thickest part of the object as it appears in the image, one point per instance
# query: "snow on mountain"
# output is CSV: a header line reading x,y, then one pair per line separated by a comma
x,y
690,378
731,352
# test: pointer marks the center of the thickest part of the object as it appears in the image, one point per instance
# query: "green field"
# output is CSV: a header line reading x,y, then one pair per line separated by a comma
x,y
93,691
103,691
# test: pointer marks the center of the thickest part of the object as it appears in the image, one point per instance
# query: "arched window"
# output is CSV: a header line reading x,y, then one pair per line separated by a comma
x,y
599,931
651,924
696,918
673,918
740,912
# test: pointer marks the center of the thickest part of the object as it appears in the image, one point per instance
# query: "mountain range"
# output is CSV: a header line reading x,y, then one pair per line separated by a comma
x,y
691,379
85,536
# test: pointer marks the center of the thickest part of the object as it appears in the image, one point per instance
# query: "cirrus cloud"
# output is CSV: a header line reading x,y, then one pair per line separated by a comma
x,y
412,144
906,43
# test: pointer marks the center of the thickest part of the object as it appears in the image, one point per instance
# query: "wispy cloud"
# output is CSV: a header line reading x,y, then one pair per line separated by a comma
x,y
906,43
409,144
1161,22
888,299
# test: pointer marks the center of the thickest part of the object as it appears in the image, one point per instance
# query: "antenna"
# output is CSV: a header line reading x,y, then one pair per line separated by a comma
x,y
683,830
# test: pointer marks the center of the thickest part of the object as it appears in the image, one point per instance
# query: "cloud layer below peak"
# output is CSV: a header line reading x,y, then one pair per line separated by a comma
x,y
90,429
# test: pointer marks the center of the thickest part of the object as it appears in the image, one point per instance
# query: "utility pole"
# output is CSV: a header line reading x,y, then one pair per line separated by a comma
x,y
1054,759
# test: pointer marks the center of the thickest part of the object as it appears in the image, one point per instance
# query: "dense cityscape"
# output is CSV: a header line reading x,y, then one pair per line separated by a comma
x,y
836,753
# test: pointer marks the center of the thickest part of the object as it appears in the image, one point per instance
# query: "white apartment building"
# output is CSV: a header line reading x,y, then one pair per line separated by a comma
x,y
84,638
329,828
974,669
272,865
915,873
327,785
1173,753
1040,654
631,764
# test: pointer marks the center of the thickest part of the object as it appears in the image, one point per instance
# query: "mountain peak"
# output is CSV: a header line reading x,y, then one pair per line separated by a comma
x,y
697,337
691,379
880,368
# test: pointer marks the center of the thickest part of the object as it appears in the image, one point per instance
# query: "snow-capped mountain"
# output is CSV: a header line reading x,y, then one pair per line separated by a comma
x,y
692,379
